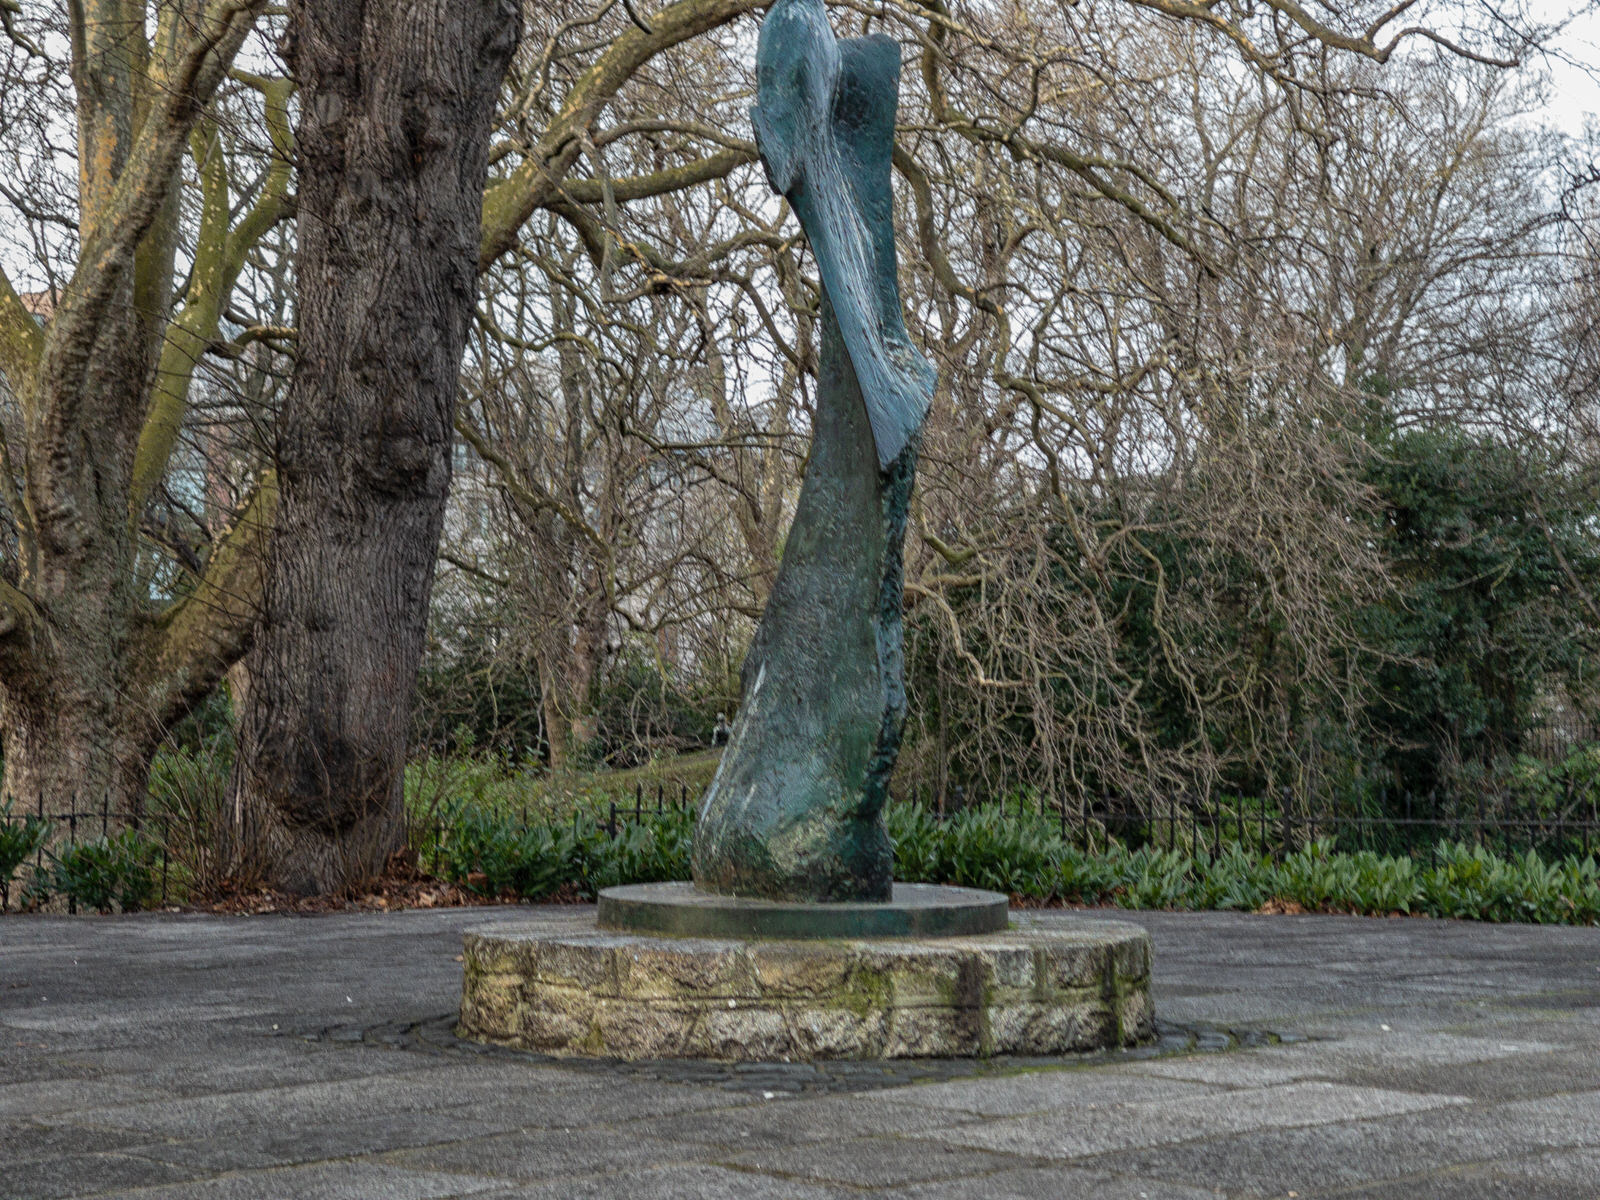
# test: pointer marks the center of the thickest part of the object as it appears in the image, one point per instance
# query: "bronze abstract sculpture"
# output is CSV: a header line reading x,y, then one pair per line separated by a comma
x,y
796,809
793,943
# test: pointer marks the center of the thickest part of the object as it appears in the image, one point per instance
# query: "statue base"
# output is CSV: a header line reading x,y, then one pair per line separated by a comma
x,y
914,910
1051,984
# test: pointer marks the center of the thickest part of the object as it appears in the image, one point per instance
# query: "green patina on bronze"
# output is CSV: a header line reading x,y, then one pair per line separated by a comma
x,y
796,809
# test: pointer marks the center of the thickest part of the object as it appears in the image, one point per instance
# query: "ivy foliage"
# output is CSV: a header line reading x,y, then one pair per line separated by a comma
x,y
1493,550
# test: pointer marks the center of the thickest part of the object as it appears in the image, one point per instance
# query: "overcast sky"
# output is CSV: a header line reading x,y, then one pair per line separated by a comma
x,y
1576,96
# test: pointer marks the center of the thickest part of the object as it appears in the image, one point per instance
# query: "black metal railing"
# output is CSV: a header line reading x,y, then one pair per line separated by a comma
x,y
1269,826
81,823
1397,823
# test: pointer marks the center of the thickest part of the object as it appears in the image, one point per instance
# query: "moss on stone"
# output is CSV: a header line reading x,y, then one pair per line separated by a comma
x,y
816,999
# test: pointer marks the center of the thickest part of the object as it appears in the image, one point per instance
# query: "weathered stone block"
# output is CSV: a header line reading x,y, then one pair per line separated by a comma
x,y
1131,959
1095,1027
581,960
489,1004
1074,963
1035,1028
1012,966
632,1029
799,969
922,973
1136,1014
741,1034
936,1033
497,956
671,968
553,1017
837,1032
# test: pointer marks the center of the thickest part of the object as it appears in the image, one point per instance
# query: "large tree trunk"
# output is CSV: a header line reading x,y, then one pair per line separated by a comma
x,y
62,758
91,679
61,743
91,676
63,696
397,102
569,664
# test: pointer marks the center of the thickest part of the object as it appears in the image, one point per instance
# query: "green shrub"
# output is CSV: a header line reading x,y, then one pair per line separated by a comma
x,y
654,851
117,870
1156,878
979,847
1314,876
494,854
1231,879
19,841
435,787
490,853
1090,878
1382,884
188,804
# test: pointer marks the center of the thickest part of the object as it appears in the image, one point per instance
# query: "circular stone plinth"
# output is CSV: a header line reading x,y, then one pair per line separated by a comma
x,y
1034,989
918,910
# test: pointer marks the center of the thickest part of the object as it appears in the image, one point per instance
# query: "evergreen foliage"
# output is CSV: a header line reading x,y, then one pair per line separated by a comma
x,y
495,855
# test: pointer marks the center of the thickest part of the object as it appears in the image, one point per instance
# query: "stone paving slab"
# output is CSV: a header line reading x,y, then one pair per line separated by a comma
x,y
688,1182
24,1141
1577,1167
1053,1183
532,1155
291,1144
1470,1184
327,1181
1079,1132
81,1175
1317,1159
879,1162
803,1122
165,1057
1042,1092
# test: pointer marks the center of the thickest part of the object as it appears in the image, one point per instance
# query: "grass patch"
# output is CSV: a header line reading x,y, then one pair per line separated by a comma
x,y
529,792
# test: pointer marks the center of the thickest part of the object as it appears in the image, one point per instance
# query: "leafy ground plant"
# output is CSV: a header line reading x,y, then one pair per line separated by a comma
x,y
20,839
495,854
118,870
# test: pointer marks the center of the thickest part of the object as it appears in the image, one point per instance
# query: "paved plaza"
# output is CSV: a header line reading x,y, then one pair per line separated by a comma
x,y
171,1057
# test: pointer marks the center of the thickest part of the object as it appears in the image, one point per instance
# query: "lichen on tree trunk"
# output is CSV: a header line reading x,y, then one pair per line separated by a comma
x,y
91,673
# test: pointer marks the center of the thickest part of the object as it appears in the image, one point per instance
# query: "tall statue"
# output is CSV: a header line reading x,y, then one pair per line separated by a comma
x,y
796,809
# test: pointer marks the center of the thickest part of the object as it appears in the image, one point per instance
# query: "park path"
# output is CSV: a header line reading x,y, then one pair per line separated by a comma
x,y
170,1057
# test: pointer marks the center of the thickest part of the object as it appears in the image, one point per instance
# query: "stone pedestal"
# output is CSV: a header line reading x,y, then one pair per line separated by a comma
x,y
1028,990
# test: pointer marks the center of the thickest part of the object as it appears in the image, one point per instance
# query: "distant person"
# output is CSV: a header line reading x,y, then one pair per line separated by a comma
x,y
719,735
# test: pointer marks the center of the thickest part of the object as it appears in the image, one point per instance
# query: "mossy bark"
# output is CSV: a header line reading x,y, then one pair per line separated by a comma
x,y
90,675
